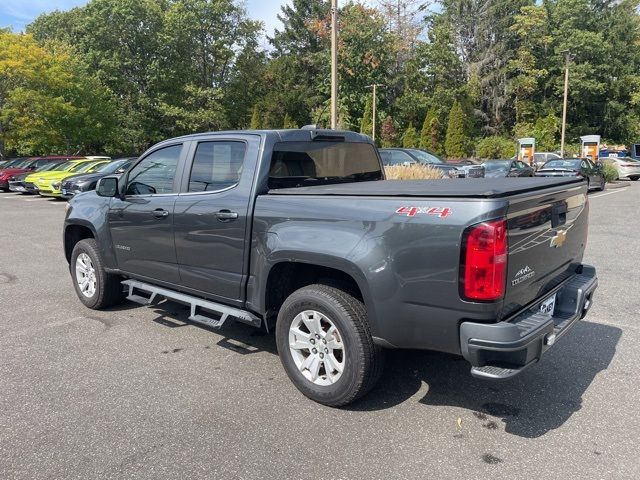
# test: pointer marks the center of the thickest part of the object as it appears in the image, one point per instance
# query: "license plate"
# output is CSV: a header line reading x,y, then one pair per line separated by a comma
x,y
549,305
64,192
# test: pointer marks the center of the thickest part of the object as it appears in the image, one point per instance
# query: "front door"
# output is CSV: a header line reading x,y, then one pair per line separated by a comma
x,y
211,217
141,224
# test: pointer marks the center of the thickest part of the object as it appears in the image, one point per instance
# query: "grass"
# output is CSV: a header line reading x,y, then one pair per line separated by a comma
x,y
413,172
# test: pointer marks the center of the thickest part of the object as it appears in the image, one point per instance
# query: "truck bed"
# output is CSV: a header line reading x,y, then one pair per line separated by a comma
x,y
453,188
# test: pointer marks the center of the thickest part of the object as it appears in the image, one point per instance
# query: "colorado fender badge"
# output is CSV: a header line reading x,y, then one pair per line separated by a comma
x,y
441,212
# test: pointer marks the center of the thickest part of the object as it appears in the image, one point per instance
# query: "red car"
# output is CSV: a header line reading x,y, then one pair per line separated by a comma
x,y
24,165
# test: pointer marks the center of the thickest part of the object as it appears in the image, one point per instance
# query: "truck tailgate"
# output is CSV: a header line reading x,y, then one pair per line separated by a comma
x,y
547,237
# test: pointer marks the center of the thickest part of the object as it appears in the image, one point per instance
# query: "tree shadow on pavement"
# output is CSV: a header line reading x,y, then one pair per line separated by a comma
x,y
541,399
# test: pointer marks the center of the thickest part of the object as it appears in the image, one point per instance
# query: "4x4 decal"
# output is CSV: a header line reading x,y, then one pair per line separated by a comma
x,y
442,212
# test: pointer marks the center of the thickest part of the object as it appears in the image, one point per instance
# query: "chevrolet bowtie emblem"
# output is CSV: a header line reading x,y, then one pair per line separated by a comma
x,y
559,239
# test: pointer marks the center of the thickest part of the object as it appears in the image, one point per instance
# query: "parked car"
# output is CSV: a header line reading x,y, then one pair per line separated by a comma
x,y
297,230
27,165
84,182
35,181
540,158
627,167
17,182
412,156
506,168
55,189
575,167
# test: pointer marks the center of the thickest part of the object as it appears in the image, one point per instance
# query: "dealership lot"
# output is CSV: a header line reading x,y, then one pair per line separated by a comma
x,y
137,392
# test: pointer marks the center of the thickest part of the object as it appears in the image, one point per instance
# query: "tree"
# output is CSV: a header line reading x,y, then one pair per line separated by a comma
x,y
495,147
289,123
430,134
410,137
256,118
388,133
456,142
366,123
49,103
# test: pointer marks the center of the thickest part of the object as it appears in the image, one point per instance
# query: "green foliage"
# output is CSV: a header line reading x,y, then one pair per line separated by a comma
x,y
289,123
410,138
610,172
430,134
366,123
49,103
495,147
456,142
138,71
256,119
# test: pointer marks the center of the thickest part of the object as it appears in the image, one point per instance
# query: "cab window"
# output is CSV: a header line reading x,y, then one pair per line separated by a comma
x,y
155,173
216,166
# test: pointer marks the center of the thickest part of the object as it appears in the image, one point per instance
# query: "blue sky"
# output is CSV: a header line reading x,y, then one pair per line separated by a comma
x,y
18,13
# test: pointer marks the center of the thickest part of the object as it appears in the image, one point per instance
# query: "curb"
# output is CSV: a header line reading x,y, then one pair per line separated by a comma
x,y
618,185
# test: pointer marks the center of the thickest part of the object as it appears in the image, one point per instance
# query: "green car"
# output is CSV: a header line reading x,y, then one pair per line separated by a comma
x,y
48,183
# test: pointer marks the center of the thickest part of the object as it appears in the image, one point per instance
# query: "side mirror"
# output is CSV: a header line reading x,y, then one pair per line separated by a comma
x,y
107,187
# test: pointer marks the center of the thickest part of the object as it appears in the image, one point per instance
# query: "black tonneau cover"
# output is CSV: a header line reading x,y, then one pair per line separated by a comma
x,y
457,188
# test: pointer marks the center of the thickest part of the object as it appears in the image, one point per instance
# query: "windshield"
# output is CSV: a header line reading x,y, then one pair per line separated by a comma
x,y
48,167
296,164
24,163
496,166
426,157
570,164
110,167
81,167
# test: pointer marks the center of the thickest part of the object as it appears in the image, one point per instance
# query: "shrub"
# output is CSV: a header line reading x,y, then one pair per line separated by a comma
x,y
456,140
495,147
610,172
410,137
412,172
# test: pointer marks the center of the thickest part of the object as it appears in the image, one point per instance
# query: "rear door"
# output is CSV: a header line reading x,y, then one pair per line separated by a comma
x,y
141,223
212,215
547,237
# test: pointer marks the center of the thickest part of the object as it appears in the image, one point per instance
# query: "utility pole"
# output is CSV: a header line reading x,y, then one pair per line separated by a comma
x,y
373,110
334,64
567,59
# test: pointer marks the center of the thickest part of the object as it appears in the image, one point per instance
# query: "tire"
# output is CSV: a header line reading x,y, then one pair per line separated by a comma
x,y
103,289
602,185
588,184
634,179
360,359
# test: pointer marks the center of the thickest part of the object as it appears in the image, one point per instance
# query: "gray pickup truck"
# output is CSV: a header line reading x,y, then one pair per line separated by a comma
x,y
298,231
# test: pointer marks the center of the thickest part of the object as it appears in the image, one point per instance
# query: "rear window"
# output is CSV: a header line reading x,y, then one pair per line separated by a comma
x,y
298,164
571,164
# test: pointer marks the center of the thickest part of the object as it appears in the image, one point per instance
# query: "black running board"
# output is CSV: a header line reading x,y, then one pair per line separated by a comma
x,y
147,294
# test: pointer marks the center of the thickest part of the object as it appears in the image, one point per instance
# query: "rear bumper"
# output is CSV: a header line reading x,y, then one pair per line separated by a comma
x,y
502,350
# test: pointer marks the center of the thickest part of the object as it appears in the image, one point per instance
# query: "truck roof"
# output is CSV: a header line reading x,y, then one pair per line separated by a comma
x,y
294,135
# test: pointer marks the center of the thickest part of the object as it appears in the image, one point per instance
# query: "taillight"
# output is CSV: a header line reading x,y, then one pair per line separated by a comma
x,y
484,259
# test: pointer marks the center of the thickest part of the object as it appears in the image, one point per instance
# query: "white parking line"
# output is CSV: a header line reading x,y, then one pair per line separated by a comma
x,y
609,193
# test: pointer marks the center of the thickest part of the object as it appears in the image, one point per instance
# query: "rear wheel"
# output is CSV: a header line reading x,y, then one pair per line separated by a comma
x,y
96,288
634,179
325,345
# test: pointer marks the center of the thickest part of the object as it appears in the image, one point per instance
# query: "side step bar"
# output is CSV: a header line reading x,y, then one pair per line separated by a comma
x,y
199,307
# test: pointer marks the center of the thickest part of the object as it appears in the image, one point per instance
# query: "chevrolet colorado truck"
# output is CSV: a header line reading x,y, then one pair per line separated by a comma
x,y
297,231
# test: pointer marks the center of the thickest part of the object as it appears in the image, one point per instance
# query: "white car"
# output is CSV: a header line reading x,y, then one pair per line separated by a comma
x,y
540,158
627,167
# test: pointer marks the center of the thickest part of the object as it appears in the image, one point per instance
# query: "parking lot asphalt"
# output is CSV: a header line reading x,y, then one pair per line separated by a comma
x,y
136,392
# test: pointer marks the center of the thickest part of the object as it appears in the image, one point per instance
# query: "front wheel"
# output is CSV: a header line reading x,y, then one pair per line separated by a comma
x,y
96,288
602,185
325,345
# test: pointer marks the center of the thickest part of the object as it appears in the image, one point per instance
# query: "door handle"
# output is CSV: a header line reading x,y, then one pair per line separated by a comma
x,y
160,213
226,215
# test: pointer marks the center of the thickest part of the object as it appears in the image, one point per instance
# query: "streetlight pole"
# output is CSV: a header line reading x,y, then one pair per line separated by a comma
x,y
567,59
373,110
334,64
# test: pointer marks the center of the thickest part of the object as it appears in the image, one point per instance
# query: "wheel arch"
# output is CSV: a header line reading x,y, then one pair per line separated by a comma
x,y
288,275
73,233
